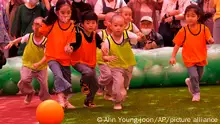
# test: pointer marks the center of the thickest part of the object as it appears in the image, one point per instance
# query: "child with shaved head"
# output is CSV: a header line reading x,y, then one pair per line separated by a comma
x,y
126,12
120,58
33,63
105,72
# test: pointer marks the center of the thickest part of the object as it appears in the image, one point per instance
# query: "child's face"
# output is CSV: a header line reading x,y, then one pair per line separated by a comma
x,y
64,13
191,17
89,25
36,25
146,25
127,14
118,26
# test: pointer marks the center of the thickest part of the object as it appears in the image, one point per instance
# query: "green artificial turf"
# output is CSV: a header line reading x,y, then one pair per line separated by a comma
x,y
163,104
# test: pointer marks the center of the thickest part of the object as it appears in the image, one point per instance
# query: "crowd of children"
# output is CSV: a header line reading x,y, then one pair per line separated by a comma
x,y
58,43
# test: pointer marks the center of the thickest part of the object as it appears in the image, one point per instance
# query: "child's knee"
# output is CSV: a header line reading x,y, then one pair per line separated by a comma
x,y
25,80
58,77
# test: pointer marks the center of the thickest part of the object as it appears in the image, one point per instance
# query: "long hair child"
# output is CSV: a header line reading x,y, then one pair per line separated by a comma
x,y
60,31
193,38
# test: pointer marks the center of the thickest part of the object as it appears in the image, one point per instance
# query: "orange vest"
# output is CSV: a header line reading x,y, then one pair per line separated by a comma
x,y
57,40
86,53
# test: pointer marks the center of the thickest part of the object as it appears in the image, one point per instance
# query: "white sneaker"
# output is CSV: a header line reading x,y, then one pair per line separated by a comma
x,y
68,105
196,97
188,83
117,107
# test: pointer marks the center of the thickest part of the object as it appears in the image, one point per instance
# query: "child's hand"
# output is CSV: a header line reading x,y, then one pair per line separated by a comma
x,y
36,65
173,61
210,41
68,49
9,45
141,36
110,58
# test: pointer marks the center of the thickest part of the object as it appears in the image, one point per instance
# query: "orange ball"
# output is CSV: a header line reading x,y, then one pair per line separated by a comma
x,y
49,112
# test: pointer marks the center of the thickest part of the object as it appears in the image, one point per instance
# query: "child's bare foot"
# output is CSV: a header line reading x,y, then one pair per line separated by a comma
x,y
28,98
117,106
196,97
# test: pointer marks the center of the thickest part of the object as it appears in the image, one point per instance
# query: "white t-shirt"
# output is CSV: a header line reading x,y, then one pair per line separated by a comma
x,y
99,5
100,34
169,5
132,36
25,38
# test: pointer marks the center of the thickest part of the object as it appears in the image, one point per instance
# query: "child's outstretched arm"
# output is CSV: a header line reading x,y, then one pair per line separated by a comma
x,y
103,45
42,61
178,40
11,43
173,57
208,36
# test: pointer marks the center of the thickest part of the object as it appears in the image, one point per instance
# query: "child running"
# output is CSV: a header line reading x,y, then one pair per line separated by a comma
x,y
103,67
33,54
83,57
120,58
60,31
193,38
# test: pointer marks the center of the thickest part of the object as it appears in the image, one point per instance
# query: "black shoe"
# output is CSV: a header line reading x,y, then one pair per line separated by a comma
x,y
89,105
